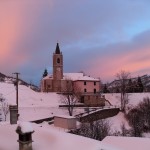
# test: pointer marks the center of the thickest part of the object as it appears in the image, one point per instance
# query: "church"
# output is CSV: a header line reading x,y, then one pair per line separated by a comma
x,y
58,81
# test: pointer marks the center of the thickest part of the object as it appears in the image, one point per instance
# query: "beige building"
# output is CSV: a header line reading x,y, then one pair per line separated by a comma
x,y
66,122
60,81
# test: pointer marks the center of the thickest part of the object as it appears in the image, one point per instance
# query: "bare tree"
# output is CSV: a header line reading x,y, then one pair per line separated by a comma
x,y
2,98
70,96
123,77
5,106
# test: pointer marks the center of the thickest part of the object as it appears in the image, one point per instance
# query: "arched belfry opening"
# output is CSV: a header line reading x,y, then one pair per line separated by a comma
x,y
58,60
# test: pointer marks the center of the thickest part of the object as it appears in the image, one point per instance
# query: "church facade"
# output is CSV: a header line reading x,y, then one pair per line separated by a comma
x,y
58,81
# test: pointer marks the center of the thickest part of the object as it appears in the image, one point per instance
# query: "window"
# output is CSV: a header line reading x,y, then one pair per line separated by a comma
x,y
85,90
94,83
58,60
94,90
82,99
84,82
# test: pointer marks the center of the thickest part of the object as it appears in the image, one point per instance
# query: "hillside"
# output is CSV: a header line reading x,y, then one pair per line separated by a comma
x,y
8,79
134,98
33,105
37,105
28,97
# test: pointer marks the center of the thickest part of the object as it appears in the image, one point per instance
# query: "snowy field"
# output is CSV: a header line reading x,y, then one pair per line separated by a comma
x,y
35,105
118,120
134,98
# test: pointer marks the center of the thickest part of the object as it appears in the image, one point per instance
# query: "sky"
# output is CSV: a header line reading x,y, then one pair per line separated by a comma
x,y
99,37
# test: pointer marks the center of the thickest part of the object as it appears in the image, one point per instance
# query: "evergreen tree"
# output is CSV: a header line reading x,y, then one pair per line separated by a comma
x,y
139,85
45,73
130,87
117,90
105,89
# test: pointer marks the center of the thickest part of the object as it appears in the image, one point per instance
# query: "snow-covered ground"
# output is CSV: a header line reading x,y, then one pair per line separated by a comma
x,y
33,105
128,143
49,138
118,120
134,98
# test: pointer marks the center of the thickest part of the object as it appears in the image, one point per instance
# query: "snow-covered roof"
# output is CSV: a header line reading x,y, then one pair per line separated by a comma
x,y
46,138
74,77
128,143
79,76
48,77
65,116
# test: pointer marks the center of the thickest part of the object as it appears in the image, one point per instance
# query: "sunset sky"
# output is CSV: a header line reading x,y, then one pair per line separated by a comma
x,y
99,37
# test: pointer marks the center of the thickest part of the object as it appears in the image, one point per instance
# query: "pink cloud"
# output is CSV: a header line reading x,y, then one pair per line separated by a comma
x,y
133,61
17,20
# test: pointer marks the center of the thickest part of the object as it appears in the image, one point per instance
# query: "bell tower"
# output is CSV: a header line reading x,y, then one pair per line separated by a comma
x,y
57,69
57,64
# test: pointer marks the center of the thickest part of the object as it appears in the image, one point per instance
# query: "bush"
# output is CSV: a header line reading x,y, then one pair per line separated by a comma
x,y
97,130
139,118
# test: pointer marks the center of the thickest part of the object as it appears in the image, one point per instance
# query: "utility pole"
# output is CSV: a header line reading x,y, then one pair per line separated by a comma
x,y
16,84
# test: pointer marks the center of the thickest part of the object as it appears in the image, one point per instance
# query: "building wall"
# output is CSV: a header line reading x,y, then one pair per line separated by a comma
x,y
67,123
51,85
88,86
66,85
47,85
94,100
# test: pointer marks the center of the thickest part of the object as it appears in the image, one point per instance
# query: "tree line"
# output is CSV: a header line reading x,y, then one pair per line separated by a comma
x,y
130,86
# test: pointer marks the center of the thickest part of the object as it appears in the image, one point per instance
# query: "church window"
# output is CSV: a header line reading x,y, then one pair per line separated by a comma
x,y
94,83
85,90
94,90
84,82
58,60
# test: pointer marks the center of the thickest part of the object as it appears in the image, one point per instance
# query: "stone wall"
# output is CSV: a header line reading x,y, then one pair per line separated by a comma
x,y
101,114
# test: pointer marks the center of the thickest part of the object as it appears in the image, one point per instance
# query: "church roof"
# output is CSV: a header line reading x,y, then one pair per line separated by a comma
x,y
79,77
74,77
57,51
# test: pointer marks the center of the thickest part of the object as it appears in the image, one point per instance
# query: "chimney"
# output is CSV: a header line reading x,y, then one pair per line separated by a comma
x,y
13,114
25,131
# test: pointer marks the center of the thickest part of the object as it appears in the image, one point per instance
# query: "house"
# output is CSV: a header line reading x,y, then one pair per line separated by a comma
x,y
60,82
